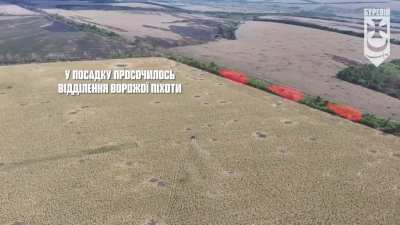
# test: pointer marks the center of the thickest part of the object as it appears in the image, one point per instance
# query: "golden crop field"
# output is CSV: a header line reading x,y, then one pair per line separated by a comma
x,y
219,153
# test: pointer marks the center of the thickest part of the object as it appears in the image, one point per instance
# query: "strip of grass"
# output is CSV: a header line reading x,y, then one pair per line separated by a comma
x,y
316,103
84,27
258,84
385,125
209,67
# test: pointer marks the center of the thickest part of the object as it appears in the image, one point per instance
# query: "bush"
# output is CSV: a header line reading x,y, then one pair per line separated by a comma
x,y
209,67
316,103
258,84
385,78
385,125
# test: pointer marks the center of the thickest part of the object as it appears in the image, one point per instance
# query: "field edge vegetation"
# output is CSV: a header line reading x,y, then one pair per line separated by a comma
x,y
385,125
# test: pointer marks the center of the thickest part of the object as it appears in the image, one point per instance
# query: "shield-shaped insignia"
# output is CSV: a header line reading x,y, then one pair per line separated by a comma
x,y
377,35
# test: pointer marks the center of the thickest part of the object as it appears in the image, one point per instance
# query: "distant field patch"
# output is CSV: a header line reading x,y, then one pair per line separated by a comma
x,y
137,5
165,29
275,52
38,39
9,9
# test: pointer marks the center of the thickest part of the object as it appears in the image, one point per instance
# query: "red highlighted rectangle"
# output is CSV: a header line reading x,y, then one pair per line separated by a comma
x,y
286,92
345,111
233,75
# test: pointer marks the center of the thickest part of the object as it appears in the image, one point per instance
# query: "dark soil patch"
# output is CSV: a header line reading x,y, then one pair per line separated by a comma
x,y
106,149
60,27
195,33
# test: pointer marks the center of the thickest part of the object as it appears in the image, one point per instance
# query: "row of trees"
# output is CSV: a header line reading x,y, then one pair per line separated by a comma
x,y
385,78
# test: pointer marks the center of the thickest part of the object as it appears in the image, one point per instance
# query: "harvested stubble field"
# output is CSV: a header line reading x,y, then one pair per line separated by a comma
x,y
126,23
161,29
220,153
305,58
342,24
